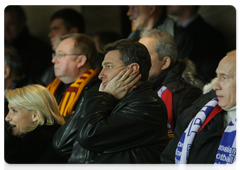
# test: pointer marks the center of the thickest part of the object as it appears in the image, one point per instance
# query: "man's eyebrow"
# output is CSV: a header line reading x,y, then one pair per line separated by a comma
x,y
106,63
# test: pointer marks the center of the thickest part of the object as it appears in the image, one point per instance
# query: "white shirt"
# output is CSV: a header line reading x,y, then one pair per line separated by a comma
x,y
231,113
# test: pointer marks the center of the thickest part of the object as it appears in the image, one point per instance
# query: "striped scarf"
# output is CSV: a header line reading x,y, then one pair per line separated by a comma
x,y
166,95
73,92
228,153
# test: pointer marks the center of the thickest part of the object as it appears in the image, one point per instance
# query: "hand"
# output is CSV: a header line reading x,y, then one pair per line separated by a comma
x,y
122,84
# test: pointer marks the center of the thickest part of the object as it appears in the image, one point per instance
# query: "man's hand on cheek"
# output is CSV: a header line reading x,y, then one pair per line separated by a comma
x,y
123,83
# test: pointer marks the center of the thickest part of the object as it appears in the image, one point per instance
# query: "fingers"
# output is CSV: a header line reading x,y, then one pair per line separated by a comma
x,y
131,84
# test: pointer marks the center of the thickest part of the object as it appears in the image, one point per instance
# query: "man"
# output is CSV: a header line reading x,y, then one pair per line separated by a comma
x,y
125,122
208,43
74,70
205,126
177,83
149,17
11,76
64,22
35,55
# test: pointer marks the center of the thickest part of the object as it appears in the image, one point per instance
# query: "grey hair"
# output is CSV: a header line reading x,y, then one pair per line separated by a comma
x,y
165,46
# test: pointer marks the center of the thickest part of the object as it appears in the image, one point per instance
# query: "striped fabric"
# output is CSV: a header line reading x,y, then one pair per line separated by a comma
x,y
73,92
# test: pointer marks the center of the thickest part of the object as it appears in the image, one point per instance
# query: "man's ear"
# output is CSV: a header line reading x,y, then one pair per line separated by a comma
x,y
81,60
167,62
74,30
7,72
135,68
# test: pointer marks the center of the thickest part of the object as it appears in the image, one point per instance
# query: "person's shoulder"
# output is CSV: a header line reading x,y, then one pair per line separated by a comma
x,y
93,84
197,105
144,94
200,25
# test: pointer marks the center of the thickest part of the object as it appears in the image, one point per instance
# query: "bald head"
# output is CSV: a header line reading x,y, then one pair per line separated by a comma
x,y
225,85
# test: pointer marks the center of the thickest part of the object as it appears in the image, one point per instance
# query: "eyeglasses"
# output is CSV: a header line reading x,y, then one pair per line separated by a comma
x,y
58,56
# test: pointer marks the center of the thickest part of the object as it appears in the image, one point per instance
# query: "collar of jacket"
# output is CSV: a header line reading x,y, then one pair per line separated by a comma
x,y
169,76
160,20
142,87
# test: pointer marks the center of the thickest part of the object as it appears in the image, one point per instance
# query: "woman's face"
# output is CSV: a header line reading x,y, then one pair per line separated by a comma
x,y
20,119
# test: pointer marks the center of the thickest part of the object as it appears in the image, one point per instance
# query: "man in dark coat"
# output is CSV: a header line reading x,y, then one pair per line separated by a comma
x,y
209,140
208,43
75,71
177,83
149,17
125,121
35,54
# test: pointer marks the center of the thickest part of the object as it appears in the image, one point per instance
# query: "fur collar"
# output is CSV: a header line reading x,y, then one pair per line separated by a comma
x,y
208,87
190,74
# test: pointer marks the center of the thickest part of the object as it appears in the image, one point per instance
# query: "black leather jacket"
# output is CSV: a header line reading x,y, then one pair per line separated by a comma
x,y
106,130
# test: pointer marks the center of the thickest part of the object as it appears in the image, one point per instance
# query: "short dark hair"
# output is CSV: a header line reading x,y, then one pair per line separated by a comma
x,y
132,52
17,11
13,60
71,17
83,45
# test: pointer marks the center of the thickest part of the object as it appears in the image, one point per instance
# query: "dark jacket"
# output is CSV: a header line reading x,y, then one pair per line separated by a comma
x,y
205,144
106,130
182,39
208,47
34,147
93,84
34,53
184,83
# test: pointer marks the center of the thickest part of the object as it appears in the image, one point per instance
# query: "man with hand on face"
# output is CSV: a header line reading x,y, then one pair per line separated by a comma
x,y
125,121
176,82
208,127
74,67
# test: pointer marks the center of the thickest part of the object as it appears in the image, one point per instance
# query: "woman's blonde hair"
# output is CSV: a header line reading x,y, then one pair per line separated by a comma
x,y
38,99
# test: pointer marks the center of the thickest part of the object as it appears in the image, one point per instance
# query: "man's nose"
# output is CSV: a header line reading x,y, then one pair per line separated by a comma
x,y
129,11
54,60
216,85
100,76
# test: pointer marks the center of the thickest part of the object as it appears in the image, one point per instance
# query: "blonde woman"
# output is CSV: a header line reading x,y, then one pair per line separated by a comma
x,y
34,118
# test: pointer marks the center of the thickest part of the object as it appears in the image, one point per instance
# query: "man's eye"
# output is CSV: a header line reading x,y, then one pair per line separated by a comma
x,y
109,67
60,55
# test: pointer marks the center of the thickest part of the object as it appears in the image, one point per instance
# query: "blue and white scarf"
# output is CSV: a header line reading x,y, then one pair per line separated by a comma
x,y
184,145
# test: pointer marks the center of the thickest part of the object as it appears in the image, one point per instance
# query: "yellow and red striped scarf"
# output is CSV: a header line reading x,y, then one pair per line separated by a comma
x,y
73,92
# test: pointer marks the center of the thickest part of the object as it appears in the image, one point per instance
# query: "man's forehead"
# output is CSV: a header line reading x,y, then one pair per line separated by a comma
x,y
227,66
112,56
